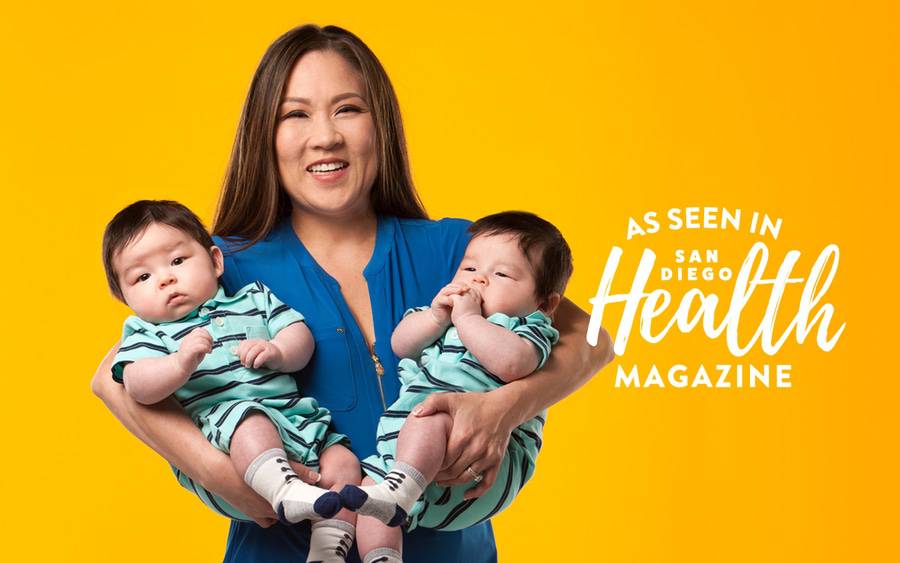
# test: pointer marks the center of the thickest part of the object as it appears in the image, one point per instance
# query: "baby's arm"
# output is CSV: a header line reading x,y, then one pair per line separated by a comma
x,y
418,330
288,351
150,380
500,350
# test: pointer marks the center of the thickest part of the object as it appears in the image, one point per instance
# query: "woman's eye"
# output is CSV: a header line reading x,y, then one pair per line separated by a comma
x,y
295,113
143,277
178,261
346,109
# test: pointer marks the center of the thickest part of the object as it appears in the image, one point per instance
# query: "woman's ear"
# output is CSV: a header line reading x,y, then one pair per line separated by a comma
x,y
218,260
550,303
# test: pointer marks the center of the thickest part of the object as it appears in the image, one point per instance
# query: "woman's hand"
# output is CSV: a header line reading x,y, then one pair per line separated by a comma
x,y
245,499
478,437
309,476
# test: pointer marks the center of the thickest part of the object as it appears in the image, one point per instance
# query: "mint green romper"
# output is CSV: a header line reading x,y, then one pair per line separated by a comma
x,y
221,392
448,367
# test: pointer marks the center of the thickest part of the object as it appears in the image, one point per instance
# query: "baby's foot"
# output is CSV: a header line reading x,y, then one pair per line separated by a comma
x,y
391,500
301,501
330,541
372,501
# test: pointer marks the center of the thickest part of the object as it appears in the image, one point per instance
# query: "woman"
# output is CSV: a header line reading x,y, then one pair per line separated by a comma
x,y
318,204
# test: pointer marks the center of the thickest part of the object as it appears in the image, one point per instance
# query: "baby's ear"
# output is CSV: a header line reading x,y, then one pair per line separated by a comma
x,y
550,303
218,260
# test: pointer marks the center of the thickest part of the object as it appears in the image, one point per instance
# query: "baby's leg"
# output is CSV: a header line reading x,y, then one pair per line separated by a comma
x,y
378,542
421,448
258,454
331,539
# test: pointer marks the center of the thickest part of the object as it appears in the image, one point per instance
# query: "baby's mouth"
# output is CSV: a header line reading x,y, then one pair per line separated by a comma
x,y
175,297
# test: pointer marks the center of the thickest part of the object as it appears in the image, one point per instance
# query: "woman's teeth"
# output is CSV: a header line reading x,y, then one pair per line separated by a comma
x,y
324,168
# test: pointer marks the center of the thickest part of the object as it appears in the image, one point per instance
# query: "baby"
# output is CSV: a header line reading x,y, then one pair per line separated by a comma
x,y
489,326
227,359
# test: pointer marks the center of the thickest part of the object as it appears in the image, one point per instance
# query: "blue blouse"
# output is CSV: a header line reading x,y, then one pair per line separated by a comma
x,y
412,260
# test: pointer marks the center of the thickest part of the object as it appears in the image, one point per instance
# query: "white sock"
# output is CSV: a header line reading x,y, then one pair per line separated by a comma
x,y
271,476
383,555
330,541
391,500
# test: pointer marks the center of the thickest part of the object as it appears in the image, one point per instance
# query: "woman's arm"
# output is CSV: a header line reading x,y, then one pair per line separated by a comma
x,y
483,422
168,430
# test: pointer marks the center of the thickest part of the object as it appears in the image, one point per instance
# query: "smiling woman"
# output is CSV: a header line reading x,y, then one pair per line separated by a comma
x,y
319,96
318,204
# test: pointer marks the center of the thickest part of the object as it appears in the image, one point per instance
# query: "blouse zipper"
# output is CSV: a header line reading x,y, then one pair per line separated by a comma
x,y
379,371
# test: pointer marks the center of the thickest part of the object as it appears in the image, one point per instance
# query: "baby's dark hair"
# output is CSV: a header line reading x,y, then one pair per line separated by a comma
x,y
129,223
553,266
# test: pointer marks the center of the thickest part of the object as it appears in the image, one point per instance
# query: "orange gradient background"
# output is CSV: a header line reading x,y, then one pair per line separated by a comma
x,y
584,113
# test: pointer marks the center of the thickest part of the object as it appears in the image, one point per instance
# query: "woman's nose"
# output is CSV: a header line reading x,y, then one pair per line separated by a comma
x,y
325,135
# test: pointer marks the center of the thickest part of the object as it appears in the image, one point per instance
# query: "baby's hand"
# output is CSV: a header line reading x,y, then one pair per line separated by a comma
x,y
443,302
256,353
465,304
197,344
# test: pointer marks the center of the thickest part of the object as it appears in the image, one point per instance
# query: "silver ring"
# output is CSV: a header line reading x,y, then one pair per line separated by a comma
x,y
476,476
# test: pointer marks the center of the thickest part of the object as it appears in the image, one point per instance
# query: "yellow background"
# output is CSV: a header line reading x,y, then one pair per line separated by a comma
x,y
586,114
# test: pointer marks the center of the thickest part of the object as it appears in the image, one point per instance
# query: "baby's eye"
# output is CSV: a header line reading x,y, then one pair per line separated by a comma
x,y
501,275
468,269
178,261
143,277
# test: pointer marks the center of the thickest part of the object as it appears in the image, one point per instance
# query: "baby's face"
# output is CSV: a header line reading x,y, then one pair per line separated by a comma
x,y
496,267
165,274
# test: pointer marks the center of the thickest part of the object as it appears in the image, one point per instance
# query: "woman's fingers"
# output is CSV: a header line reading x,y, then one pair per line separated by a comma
x,y
307,475
477,438
436,402
489,476
480,458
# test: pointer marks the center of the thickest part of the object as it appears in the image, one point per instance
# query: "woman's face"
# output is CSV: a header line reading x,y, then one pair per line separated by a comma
x,y
325,137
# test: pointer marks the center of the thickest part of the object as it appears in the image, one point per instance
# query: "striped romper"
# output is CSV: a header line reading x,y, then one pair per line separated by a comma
x,y
447,367
222,392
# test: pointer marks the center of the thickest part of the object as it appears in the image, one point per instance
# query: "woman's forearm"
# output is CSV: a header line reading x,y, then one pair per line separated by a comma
x,y
166,428
572,363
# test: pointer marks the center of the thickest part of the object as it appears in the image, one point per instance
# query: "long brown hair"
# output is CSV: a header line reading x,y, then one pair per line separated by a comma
x,y
252,199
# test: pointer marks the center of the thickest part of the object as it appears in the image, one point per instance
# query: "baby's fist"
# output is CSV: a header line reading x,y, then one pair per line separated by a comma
x,y
466,304
256,353
443,303
196,345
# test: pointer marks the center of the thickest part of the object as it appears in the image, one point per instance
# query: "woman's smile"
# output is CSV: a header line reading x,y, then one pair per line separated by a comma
x,y
328,170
